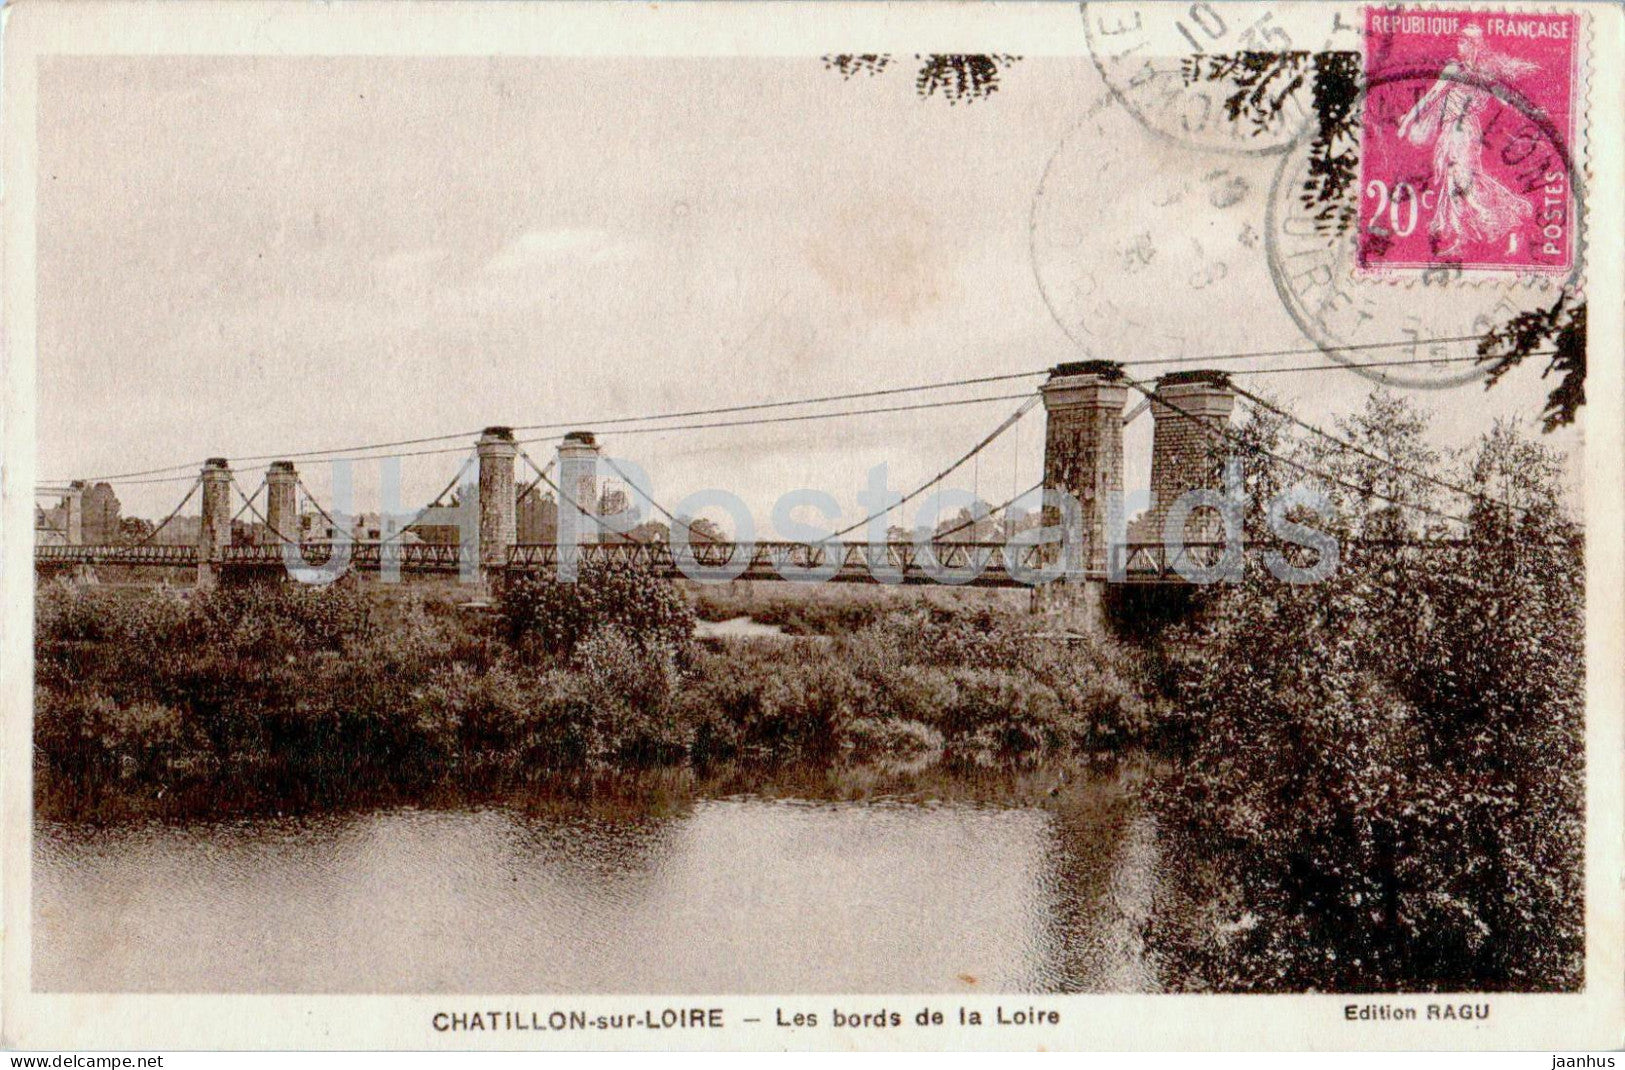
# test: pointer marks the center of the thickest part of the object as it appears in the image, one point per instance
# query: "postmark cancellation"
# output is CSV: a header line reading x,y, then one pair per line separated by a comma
x,y
1467,134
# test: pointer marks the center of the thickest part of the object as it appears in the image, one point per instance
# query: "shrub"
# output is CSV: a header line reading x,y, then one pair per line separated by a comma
x,y
417,642
67,612
764,696
631,686
934,635
304,693
801,613
910,692
999,713
807,706
876,737
508,720
720,698
1102,691
268,621
93,741
557,616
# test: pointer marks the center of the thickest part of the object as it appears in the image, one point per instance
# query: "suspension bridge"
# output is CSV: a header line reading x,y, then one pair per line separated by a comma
x,y
1085,408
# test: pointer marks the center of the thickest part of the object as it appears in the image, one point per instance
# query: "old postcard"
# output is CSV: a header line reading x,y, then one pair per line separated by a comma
x,y
800,525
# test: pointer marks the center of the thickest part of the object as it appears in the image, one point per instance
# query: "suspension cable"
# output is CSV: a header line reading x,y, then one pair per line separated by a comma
x,y
197,482
311,498
530,488
661,509
1009,422
871,394
1356,365
1397,466
990,514
435,502
572,503
1309,470
760,421
248,505
1007,377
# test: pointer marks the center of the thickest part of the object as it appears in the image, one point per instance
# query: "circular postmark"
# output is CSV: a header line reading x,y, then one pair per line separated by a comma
x,y
1135,240
1332,230
1214,76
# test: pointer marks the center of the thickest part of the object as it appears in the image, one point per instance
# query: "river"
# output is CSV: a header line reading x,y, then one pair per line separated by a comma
x,y
731,894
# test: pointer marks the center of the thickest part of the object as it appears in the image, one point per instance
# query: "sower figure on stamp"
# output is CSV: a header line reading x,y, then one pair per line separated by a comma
x,y
1472,204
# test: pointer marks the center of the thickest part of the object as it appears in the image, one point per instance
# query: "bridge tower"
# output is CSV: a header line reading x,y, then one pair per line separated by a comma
x,y
281,507
578,477
1083,456
1188,431
214,527
496,450
73,513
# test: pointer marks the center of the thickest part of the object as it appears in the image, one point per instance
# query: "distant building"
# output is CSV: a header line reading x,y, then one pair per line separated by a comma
x,y
537,519
180,531
86,516
100,523
364,527
51,525
614,501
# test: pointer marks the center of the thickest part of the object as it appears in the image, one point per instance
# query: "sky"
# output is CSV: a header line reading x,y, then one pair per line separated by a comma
x,y
246,256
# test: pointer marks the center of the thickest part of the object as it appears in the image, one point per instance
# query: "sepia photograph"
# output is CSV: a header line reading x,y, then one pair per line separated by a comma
x,y
793,521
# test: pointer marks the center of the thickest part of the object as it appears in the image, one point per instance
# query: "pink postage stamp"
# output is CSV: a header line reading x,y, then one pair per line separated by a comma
x,y
1466,151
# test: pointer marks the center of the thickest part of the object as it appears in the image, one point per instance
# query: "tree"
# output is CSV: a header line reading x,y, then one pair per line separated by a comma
x,y
968,526
650,531
631,599
702,530
133,530
1382,783
1391,462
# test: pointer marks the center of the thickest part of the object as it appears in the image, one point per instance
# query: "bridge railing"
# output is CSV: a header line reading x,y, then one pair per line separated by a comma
x,y
1157,562
992,562
155,554
770,559
366,556
976,563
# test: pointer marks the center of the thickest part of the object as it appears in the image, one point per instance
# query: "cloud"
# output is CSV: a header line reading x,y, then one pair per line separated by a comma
x,y
541,248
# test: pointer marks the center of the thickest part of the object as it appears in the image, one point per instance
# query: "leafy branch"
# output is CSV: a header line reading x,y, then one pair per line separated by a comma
x,y
1558,332
957,78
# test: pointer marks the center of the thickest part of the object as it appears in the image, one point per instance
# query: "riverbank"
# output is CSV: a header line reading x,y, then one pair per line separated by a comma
x,y
840,608
300,697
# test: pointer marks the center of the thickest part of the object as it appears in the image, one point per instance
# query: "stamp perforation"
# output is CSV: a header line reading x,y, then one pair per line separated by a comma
x,y
1502,277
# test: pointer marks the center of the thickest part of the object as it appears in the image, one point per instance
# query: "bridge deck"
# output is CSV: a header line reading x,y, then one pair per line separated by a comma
x,y
972,563
982,564
66,556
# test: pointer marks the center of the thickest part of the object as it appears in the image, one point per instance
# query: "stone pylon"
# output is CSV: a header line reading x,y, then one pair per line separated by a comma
x,y
281,503
1083,457
496,450
1187,447
214,527
578,478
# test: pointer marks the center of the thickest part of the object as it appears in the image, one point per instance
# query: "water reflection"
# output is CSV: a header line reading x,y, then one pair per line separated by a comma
x,y
724,895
